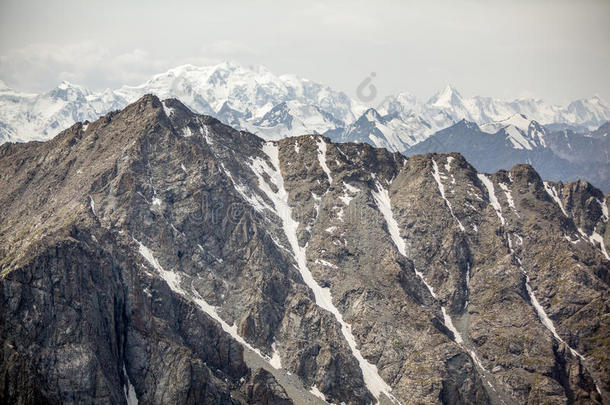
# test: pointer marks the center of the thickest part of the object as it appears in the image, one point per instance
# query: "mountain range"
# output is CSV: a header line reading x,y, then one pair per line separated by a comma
x,y
254,99
156,256
274,107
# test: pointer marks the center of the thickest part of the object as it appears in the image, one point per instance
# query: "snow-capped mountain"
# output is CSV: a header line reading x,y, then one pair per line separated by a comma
x,y
272,106
240,95
521,132
413,122
557,155
396,131
291,117
250,92
25,116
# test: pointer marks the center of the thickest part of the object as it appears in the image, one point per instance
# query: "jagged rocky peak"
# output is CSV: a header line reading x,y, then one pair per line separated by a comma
x,y
174,259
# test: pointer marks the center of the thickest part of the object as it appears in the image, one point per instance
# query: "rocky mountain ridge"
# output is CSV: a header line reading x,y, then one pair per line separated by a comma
x,y
556,155
161,256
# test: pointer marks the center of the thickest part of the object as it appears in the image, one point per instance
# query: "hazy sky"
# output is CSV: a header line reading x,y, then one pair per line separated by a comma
x,y
554,50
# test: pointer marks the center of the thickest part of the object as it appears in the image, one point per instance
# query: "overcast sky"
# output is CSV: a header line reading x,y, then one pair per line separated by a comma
x,y
554,50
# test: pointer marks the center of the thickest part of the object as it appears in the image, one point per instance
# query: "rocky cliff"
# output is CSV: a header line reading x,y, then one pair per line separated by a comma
x,y
159,256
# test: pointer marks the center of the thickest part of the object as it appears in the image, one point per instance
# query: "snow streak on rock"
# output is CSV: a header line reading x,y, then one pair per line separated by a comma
x,y
173,281
322,158
252,198
375,384
168,110
489,185
316,392
441,189
509,198
604,209
92,205
382,198
553,193
595,237
384,204
544,319
449,324
129,390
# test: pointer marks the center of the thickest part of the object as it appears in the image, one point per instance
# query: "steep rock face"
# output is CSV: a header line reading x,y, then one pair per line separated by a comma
x,y
177,256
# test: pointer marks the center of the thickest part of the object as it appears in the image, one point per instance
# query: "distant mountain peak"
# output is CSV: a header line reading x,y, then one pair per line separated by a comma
x,y
372,115
448,96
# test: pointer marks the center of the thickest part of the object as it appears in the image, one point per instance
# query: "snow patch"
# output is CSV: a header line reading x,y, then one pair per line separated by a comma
x,y
276,360
92,205
448,164
382,199
205,131
449,325
316,392
489,185
322,159
325,263
347,189
596,237
129,390
509,197
186,132
168,110
555,196
441,189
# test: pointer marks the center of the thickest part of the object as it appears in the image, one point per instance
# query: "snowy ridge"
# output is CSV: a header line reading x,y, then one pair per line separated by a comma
x,y
374,383
492,196
441,189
